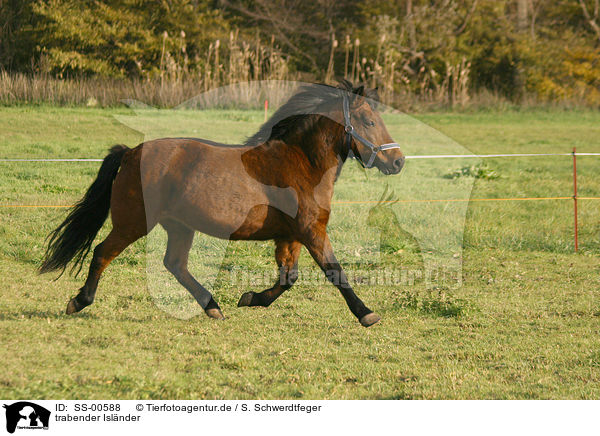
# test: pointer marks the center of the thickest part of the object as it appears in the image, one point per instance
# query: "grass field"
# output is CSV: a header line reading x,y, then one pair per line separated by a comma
x,y
524,324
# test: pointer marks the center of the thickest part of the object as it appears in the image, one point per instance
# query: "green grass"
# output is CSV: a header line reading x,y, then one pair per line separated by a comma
x,y
524,324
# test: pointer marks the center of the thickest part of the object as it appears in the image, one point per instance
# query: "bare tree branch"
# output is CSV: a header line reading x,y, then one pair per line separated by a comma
x,y
591,20
283,23
410,19
461,28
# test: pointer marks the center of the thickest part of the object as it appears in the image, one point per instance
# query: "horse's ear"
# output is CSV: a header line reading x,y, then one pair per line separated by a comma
x,y
358,96
345,85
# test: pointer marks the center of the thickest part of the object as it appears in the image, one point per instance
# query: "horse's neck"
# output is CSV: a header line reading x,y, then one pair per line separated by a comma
x,y
323,145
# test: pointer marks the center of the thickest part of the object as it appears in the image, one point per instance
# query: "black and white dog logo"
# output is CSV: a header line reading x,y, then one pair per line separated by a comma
x,y
26,415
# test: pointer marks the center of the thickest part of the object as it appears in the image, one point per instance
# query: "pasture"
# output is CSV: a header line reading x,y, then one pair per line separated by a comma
x,y
524,324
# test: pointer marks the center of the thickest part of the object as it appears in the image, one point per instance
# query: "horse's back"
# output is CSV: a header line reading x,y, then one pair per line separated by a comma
x,y
206,186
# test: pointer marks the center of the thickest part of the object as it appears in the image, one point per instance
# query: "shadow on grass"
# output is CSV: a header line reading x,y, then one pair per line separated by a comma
x,y
398,396
113,316
43,314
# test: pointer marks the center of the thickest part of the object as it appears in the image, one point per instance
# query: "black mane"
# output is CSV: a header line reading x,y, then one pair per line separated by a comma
x,y
301,110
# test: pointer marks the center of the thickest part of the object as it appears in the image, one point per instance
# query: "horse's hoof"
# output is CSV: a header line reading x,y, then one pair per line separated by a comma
x,y
246,299
215,313
370,319
71,307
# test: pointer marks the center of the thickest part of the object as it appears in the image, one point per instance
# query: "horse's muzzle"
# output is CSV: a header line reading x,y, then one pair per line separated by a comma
x,y
394,168
398,165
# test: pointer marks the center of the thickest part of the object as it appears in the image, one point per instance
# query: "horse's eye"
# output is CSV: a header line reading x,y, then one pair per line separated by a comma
x,y
369,123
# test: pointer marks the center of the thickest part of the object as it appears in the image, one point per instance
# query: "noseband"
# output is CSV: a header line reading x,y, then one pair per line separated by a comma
x,y
350,132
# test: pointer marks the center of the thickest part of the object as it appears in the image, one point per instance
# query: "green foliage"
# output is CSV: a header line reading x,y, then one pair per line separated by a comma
x,y
436,302
492,50
572,75
475,171
123,38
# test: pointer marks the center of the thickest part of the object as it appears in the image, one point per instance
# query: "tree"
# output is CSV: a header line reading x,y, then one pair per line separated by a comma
x,y
125,37
592,18
15,22
302,28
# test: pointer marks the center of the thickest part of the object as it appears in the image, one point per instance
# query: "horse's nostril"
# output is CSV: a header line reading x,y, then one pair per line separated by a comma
x,y
399,163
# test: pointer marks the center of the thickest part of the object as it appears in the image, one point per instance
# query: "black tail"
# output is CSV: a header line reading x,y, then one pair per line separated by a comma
x,y
74,237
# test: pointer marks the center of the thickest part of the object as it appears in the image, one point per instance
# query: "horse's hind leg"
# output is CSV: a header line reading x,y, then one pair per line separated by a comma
x,y
286,255
176,261
104,253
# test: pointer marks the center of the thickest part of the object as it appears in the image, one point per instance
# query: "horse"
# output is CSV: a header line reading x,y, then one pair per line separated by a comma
x,y
278,186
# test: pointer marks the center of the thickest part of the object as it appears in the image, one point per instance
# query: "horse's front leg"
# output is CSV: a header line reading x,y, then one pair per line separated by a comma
x,y
320,249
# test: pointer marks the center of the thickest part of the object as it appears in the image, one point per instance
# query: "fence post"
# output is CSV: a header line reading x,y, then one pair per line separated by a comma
x,y
575,196
266,109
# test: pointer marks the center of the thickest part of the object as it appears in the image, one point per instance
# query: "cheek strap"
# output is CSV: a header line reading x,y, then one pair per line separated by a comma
x,y
351,133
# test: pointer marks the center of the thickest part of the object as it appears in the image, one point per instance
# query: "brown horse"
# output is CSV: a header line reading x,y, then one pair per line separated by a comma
x,y
278,185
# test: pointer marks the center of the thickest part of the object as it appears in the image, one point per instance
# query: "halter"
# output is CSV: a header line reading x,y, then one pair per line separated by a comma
x,y
350,132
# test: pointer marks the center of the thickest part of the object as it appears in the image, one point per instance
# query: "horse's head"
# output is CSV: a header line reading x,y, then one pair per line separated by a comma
x,y
366,133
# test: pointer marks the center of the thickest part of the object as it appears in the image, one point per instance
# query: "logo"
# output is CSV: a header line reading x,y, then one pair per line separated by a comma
x,y
26,415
